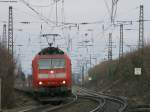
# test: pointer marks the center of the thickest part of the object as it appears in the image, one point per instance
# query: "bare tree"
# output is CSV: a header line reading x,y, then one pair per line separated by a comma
x,y
7,67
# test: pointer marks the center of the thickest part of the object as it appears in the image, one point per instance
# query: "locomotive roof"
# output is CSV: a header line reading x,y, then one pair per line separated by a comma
x,y
50,50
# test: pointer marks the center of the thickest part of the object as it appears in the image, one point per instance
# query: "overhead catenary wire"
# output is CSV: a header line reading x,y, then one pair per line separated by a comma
x,y
47,5
46,20
9,1
62,24
108,9
113,10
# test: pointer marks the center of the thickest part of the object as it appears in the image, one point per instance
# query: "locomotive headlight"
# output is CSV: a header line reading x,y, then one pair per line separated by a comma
x,y
40,83
51,71
64,82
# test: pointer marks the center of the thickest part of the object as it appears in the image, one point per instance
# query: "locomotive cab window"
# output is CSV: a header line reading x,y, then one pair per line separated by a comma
x,y
58,63
51,63
44,64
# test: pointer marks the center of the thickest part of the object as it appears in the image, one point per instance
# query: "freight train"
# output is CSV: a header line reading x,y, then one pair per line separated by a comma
x,y
51,73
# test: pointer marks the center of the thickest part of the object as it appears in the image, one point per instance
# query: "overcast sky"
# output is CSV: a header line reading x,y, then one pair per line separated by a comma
x,y
73,11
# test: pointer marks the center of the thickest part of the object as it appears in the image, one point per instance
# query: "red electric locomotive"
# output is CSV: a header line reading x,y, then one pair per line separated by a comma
x,y
51,71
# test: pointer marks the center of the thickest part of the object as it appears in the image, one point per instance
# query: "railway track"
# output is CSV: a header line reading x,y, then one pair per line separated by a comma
x,y
104,103
100,101
62,107
140,108
119,104
65,105
46,107
77,108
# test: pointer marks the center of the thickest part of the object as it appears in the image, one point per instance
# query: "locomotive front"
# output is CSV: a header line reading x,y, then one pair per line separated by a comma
x,y
52,72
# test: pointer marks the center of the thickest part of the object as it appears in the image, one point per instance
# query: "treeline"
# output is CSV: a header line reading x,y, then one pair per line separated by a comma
x,y
118,76
7,68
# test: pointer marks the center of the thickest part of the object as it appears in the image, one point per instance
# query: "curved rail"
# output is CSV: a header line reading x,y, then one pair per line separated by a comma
x,y
100,101
48,107
62,106
88,94
123,103
91,97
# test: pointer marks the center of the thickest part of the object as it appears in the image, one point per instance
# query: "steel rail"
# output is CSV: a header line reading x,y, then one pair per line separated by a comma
x,y
62,106
44,108
94,98
100,101
123,103
48,107
98,98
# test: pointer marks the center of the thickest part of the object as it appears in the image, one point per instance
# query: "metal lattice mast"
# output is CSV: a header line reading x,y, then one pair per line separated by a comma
x,y
110,47
56,11
10,31
141,28
4,38
121,42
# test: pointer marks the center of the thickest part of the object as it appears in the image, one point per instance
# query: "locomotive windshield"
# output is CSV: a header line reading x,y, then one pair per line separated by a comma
x,y
51,63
